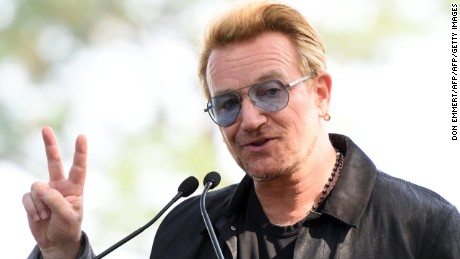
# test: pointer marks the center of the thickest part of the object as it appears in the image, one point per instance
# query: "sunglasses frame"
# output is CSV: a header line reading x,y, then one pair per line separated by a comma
x,y
286,86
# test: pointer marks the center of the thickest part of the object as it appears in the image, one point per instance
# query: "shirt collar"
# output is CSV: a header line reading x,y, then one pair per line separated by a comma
x,y
353,190
350,195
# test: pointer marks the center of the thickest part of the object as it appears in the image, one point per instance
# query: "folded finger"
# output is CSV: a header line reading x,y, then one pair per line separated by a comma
x,y
61,207
36,207
29,206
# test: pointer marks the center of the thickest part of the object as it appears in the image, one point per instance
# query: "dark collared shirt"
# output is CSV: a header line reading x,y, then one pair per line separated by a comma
x,y
369,214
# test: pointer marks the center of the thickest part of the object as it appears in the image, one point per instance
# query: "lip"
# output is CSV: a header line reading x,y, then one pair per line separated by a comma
x,y
258,145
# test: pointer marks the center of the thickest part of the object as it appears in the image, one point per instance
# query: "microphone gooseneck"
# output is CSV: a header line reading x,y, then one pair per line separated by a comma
x,y
211,180
187,187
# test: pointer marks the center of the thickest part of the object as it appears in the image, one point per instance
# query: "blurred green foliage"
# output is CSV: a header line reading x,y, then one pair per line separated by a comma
x,y
26,41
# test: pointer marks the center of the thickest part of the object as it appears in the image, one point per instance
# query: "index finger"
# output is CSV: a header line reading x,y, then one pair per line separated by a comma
x,y
55,168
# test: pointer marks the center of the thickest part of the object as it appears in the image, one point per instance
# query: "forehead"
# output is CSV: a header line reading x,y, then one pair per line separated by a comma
x,y
240,64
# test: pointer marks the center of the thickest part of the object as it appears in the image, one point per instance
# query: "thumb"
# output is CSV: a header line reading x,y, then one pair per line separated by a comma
x,y
53,199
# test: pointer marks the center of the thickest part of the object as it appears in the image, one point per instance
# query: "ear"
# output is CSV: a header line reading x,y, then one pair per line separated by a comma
x,y
323,87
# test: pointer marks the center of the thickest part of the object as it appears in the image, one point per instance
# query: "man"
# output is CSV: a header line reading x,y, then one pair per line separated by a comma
x,y
307,193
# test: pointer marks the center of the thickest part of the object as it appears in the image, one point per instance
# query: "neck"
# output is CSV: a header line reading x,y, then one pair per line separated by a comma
x,y
288,199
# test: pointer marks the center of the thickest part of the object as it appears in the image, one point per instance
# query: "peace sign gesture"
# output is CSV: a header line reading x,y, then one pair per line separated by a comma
x,y
55,209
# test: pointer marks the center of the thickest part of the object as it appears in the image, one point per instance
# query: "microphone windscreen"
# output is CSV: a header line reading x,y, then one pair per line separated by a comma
x,y
213,177
188,186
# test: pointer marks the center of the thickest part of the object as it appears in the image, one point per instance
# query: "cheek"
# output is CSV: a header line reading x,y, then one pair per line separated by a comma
x,y
306,103
228,138
228,135
304,108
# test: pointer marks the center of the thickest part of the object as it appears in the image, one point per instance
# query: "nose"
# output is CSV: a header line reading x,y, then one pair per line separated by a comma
x,y
251,116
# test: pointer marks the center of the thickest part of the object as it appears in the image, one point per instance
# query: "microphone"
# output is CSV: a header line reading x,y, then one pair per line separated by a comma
x,y
187,187
211,180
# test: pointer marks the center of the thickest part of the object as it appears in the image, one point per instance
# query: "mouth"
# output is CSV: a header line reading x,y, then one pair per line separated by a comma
x,y
258,143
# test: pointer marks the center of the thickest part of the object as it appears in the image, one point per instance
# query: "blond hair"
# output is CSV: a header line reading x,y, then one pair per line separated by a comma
x,y
254,18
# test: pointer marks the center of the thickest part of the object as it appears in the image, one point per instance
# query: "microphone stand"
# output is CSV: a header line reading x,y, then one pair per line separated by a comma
x,y
140,230
187,187
207,221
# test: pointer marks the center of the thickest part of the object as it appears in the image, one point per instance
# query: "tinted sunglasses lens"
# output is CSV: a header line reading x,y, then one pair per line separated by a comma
x,y
270,95
224,109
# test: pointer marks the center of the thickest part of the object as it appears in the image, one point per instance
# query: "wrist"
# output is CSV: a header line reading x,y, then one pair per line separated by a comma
x,y
67,250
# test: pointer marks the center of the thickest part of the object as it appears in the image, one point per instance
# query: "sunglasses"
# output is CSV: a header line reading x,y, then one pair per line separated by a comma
x,y
270,95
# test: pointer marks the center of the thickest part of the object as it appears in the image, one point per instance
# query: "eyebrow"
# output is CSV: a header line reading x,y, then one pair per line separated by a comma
x,y
262,78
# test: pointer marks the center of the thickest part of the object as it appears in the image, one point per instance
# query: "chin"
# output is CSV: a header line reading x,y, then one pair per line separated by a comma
x,y
263,178
266,173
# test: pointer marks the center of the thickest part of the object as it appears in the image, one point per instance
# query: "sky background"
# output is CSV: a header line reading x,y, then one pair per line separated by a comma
x,y
137,100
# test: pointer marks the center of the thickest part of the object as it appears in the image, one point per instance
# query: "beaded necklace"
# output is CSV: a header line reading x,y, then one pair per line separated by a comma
x,y
331,181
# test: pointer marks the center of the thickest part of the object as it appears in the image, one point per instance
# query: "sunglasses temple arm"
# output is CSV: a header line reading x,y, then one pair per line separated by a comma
x,y
298,81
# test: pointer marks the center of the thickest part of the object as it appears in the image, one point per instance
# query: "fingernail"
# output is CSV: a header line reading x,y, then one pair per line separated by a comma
x,y
43,215
41,192
36,218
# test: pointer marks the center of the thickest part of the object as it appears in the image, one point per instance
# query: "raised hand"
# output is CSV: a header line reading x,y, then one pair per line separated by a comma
x,y
55,209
